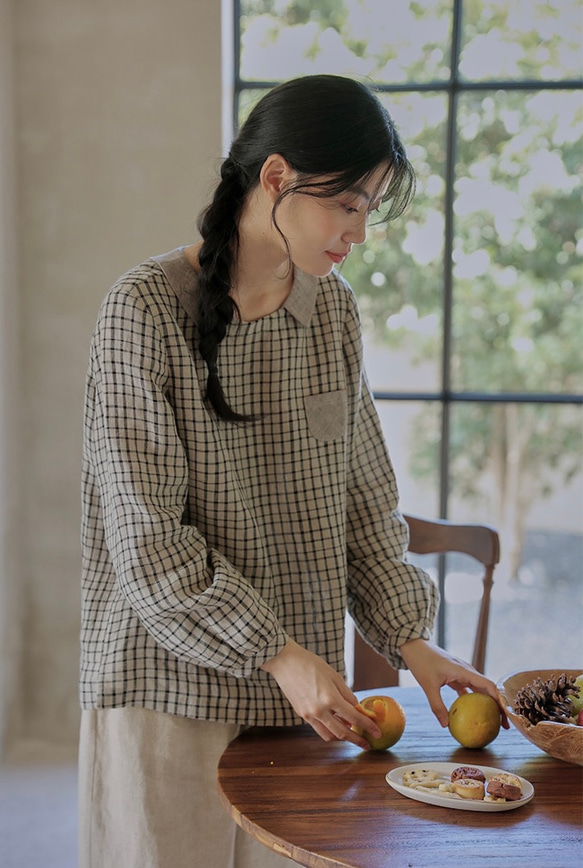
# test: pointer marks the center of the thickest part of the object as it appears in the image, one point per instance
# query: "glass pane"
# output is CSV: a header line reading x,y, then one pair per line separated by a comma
x,y
282,39
518,311
521,39
412,435
517,467
461,600
247,100
398,274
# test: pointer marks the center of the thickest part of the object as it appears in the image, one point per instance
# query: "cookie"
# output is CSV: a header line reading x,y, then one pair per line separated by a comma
x,y
468,788
421,778
505,786
468,772
507,778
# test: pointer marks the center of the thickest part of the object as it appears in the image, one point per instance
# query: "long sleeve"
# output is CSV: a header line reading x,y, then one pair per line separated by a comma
x,y
188,596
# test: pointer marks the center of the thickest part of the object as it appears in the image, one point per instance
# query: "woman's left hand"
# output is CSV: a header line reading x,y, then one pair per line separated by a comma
x,y
434,668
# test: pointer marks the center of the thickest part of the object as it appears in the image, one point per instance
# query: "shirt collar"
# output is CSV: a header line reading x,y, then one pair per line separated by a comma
x,y
302,297
181,276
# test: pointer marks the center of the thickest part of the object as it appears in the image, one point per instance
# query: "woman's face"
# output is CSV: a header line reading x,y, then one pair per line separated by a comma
x,y
321,231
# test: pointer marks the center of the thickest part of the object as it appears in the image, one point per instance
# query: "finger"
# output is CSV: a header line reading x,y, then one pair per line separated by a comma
x,y
338,732
361,725
356,739
504,717
347,733
353,714
321,730
357,717
437,706
325,721
493,692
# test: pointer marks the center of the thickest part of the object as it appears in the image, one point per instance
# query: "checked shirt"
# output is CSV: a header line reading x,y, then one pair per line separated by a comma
x,y
206,543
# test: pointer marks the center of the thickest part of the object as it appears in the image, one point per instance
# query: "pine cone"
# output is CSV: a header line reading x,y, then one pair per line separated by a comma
x,y
546,700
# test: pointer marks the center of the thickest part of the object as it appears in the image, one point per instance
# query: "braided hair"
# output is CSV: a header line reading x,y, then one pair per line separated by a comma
x,y
334,133
218,227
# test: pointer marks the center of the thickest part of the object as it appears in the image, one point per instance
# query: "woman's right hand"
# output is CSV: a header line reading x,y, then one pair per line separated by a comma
x,y
319,695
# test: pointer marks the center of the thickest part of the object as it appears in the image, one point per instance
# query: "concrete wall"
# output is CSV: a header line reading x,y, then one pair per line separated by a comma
x,y
118,141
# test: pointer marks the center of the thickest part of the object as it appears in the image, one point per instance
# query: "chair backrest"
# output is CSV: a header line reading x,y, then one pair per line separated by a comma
x,y
435,537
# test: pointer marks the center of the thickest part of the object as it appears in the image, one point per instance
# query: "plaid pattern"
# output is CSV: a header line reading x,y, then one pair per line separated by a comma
x,y
207,543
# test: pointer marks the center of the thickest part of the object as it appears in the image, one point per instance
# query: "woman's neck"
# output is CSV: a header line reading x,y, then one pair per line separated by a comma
x,y
263,274
263,279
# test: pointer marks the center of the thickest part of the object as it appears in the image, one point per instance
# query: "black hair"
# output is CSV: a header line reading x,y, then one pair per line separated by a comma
x,y
323,125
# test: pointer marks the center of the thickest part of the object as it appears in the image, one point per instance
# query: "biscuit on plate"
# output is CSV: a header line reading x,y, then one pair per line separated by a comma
x,y
505,786
468,788
421,778
468,772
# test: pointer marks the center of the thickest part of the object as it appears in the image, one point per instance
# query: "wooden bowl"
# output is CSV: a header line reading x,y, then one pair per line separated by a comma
x,y
563,741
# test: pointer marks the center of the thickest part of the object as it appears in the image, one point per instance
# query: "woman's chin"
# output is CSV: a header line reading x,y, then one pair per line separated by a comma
x,y
317,270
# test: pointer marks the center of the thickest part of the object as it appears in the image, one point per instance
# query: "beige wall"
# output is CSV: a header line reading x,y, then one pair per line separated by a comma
x,y
118,140
11,596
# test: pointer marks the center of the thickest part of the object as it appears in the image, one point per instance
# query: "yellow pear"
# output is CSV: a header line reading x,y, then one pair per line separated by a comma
x,y
474,719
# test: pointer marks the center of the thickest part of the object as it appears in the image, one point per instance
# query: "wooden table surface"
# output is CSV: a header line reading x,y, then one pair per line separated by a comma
x,y
328,804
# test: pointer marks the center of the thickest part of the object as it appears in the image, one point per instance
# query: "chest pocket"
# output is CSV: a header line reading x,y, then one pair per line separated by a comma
x,y
327,414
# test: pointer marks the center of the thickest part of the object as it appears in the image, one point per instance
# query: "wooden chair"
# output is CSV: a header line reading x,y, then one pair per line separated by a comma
x,y
432,537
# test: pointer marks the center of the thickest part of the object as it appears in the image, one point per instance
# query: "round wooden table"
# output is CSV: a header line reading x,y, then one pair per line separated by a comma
x,y
327,805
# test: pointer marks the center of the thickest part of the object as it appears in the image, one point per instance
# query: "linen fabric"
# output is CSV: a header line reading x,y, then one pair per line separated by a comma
x,y
148,796
206,543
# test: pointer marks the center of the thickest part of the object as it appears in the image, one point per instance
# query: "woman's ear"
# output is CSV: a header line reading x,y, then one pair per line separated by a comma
x,y
276,174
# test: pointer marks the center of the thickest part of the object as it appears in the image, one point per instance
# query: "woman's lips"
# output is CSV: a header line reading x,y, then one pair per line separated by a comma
x,y
336,257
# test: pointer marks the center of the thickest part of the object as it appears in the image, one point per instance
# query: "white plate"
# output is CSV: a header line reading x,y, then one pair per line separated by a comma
x,y
394,779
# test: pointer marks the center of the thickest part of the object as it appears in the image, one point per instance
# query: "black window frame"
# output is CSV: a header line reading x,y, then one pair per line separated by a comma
x,y
452,87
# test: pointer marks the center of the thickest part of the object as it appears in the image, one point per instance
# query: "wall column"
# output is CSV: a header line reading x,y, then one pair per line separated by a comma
x,y
11,525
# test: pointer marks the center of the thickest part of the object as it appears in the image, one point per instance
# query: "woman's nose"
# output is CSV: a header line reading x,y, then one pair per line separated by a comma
x,y
357,233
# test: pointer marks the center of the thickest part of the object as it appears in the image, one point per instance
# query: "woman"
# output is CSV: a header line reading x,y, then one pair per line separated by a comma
x,y
238,496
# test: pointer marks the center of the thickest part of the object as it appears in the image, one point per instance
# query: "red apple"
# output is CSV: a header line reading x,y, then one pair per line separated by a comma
x,y
580,718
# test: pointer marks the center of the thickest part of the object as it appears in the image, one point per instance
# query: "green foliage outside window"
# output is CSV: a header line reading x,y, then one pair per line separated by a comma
x,y
515,258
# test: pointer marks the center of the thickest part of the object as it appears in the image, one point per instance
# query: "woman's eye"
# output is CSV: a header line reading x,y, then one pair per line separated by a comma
x,y
350,209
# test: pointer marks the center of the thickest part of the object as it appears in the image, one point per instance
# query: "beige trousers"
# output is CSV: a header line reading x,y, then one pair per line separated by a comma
x,y
148,795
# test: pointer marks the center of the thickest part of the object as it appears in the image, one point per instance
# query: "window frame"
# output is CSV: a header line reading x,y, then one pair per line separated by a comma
x,y
452,87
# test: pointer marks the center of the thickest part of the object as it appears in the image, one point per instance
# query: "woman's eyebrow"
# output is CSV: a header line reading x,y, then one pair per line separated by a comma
x,y
360,191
